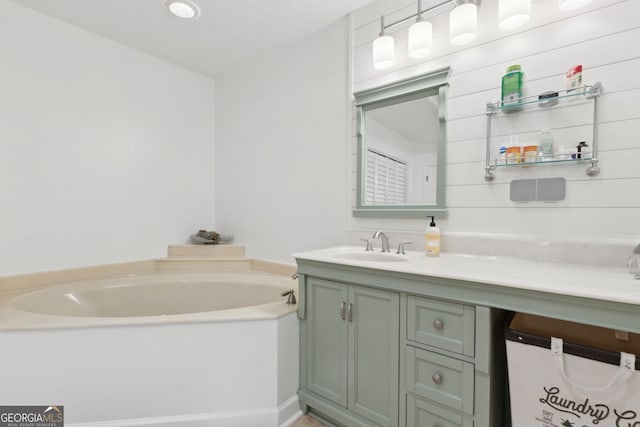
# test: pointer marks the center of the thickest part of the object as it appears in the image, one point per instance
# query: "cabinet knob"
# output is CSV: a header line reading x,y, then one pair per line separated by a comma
x,y
438,324
437,378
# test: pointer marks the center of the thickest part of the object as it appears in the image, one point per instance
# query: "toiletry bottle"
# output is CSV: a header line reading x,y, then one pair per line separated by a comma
x,y
574,78
432,239
514,151
502,154
512,89
546,145
582,150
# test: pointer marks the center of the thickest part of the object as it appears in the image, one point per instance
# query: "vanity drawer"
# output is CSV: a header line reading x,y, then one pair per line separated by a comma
x,y
439,378
424,414
441,324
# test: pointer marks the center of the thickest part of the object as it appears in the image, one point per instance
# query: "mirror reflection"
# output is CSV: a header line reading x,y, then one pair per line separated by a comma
x,y
401,153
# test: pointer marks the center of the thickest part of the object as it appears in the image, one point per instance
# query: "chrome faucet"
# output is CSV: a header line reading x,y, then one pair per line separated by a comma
x,y
634,263
385,240
400,250
291,296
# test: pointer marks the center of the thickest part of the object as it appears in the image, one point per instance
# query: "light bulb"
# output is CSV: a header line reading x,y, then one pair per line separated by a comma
x,y
463,24
420,40
513,13
383,52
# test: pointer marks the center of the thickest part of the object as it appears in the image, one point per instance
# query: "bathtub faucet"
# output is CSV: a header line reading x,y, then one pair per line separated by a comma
x,y
292,297
384,238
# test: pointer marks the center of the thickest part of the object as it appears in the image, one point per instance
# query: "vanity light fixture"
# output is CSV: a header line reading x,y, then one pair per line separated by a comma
x,y
420,37
463,22
463,26
513,13
383,49
185,9
572,4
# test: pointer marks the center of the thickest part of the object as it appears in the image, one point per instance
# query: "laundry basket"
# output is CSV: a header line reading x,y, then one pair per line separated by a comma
x,y
566,374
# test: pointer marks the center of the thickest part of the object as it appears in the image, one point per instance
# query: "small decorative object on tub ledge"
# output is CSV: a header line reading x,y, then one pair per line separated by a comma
x,y
206,237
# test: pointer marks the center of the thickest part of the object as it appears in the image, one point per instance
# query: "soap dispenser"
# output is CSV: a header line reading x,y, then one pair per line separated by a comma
x,y
432,239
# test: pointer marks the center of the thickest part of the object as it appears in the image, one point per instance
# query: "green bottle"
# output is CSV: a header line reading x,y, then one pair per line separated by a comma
x,y
512,89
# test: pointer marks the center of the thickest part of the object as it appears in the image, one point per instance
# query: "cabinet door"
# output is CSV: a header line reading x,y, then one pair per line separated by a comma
x,y
327,340
374,325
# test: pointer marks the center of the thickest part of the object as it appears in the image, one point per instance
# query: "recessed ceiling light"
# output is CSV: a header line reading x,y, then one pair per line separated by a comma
x,y
185,9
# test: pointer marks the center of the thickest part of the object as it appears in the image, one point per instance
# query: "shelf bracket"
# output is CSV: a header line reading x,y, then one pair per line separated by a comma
x,y
594,93
492,109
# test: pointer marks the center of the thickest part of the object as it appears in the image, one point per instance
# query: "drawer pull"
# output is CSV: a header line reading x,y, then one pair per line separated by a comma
x,y
342,304
437,378
438,324
350,312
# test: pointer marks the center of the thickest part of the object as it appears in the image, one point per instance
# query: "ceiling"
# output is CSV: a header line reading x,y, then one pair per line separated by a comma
x,y
227,34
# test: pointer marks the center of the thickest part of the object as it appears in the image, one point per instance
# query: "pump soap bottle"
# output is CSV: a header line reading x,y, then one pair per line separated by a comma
x,y
432,239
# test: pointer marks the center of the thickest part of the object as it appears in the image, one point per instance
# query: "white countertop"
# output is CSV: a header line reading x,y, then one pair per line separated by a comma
x,y
602,283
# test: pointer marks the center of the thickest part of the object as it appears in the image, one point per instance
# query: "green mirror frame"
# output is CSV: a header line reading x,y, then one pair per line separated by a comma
x,y
436,82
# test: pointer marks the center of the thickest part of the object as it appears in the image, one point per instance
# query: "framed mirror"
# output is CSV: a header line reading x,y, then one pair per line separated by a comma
x,y
402,140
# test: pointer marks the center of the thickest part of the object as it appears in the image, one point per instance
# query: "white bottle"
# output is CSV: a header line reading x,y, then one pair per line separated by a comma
x,y
432,239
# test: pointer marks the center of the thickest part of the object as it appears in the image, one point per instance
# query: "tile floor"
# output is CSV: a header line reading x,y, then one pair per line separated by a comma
x,y
306,421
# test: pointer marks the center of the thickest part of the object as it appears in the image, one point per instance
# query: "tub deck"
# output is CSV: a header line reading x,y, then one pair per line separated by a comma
x,y
189,265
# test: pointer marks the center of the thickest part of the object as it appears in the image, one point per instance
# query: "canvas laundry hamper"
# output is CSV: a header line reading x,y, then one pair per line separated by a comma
x,y
565,374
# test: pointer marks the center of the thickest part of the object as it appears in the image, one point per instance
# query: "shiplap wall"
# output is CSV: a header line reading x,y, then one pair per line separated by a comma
x,y
603,37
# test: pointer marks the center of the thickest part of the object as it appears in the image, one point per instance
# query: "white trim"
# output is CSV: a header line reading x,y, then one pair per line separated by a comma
x,y
262,417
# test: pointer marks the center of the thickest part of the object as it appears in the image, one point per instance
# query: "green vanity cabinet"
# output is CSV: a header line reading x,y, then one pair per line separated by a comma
x,y
425,347
393,349
350,348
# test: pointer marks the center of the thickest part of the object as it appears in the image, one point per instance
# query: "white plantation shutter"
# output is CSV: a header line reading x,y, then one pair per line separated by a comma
x,y
386,180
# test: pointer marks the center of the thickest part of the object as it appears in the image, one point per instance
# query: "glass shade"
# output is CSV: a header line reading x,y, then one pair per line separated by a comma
x,y
463,24
513,13
383,52
420,40
572,4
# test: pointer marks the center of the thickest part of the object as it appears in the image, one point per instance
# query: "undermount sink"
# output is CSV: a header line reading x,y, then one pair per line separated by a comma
x,y
370,256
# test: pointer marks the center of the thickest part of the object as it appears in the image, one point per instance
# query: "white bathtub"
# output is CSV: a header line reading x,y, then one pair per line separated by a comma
x,y
165,349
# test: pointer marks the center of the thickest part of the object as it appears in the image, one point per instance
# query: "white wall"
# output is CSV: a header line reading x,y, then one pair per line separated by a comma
x,y
106,154
282,126
603,37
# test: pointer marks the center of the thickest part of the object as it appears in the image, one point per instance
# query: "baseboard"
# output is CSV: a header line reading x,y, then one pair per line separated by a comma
x,y
283,416
289,412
